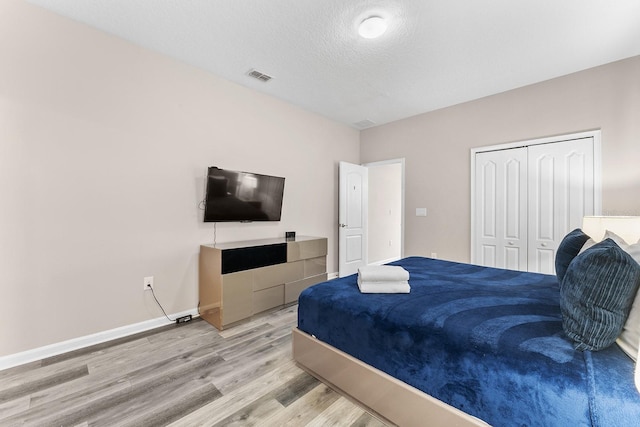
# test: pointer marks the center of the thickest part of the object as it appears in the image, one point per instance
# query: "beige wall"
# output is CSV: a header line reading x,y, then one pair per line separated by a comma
x,y
437,147
104,147
103,151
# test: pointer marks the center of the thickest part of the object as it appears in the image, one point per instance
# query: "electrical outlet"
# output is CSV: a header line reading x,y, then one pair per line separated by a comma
x,y
148,283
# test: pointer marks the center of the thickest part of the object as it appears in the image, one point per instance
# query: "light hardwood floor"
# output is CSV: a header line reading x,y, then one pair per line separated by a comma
x,y
188,375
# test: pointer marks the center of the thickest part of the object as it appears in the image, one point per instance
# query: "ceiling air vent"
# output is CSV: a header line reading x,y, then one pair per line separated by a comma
x,y
258,75
363,124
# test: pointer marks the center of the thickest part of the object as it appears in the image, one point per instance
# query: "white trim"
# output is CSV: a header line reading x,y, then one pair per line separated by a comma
x,y
332,276
386,261
402,186
86,341
597,172
596,134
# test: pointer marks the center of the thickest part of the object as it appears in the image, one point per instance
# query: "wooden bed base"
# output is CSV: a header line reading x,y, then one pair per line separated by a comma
x,y
388,397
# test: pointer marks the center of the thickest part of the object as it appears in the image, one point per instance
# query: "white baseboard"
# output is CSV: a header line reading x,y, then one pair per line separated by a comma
x,y
335,275
386,261
86,341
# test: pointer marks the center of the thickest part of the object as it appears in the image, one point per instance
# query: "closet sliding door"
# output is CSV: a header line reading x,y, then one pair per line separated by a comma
x,y
527,198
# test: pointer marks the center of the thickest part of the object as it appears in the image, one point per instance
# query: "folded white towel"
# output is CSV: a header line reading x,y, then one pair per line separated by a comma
x,y
401,287
383,273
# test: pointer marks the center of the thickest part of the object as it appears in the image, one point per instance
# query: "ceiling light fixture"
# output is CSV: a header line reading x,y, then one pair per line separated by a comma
x,y
372,27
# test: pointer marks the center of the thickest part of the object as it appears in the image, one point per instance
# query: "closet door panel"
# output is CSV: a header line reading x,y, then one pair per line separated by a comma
x,y
512,258
579,187
488,258
488,212
488,202
513,199
561,190
501,202
544,195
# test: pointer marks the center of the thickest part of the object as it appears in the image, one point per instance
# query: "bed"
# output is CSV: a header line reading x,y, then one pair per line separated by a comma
x,y
469,345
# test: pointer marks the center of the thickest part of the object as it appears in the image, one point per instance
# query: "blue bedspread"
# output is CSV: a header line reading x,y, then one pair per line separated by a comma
x,y
487,341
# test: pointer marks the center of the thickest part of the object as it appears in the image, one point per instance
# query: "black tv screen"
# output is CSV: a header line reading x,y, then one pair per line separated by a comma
x,y
242,196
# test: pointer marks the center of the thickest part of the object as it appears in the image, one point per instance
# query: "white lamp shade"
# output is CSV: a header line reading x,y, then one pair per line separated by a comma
x,y
627,227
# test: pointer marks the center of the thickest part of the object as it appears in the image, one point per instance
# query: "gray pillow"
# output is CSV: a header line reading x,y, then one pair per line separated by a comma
x,y
568,250
596,295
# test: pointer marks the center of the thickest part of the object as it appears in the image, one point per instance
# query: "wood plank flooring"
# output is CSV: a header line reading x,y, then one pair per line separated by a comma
x,y
180,376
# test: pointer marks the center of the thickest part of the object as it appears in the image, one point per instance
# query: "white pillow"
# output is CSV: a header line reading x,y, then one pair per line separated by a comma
x,y
633,250
590,242
629,339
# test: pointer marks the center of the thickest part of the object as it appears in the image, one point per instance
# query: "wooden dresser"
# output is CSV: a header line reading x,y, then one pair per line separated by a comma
x,y
239,279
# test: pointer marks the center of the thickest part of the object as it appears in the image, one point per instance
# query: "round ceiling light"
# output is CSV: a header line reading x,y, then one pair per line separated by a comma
x,y
372,27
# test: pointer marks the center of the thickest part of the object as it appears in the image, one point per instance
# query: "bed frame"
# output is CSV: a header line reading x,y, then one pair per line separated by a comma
x,y
389,398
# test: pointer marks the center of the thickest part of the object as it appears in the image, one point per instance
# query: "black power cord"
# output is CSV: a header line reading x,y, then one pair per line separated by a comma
x,y
182,319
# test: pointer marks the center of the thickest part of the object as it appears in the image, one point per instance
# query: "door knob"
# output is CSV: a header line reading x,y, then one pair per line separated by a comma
x,y
510,243
342,225
544,245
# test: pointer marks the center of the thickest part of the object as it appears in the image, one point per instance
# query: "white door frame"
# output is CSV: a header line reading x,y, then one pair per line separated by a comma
x,y
400,161
597,174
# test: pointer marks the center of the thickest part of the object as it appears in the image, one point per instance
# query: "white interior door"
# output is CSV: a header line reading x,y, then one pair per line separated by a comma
x,y
501,208
352,235
561,189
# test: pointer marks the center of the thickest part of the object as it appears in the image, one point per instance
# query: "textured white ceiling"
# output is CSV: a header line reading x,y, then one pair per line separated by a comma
x,y
435,53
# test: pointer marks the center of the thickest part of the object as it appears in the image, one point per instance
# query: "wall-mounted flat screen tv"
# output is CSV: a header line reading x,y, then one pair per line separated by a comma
x,y
242,196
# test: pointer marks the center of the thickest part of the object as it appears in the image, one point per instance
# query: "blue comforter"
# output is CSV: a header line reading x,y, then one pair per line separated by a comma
x,y
487,341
